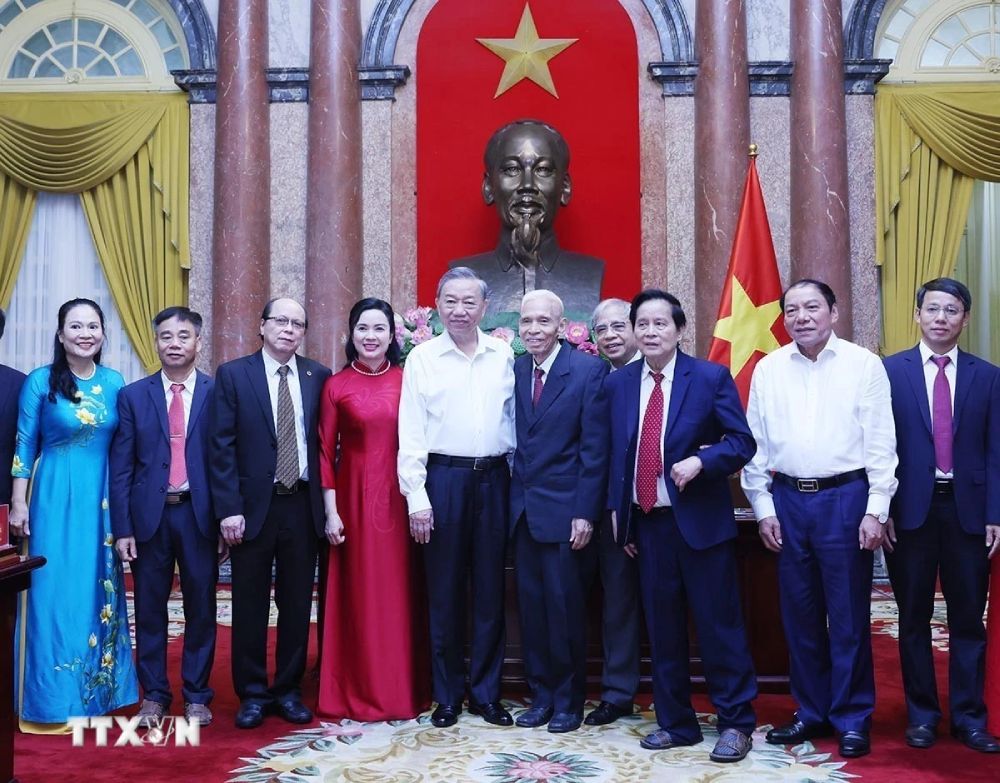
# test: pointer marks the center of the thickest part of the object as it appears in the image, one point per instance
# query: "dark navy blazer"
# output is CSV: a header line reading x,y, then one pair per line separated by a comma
x,y
976,424
704,409
140,459
11,381
561,461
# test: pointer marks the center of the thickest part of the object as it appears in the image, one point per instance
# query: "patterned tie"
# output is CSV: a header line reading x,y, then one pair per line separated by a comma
x,y
536,392
941,422
287,472
650,457
178,438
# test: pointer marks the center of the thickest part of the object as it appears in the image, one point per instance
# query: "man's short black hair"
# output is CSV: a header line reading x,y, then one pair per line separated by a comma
x,y
3,321
182,314
823,288
676,311
946,285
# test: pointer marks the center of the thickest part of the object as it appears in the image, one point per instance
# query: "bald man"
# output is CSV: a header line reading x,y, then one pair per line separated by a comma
x,y
557,495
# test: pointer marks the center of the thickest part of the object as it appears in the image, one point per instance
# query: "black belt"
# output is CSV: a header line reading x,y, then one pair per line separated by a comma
x,y
174,498
818,484
469,463
281,489
655,511
944,487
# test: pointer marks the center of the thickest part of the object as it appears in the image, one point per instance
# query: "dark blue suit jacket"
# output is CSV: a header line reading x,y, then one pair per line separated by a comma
x,y
11,382
244,446
976,424
704,409
140,459
561,461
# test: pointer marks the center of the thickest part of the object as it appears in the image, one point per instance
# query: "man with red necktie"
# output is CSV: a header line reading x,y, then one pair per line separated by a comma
x,y
945,516
161,514
677,432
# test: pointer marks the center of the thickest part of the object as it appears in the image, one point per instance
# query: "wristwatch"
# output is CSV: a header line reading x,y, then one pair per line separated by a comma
x,y
882,518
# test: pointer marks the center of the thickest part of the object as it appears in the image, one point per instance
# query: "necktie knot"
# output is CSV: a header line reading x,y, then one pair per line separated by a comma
x,y
657,377
283,371
941,361
177,388
539,373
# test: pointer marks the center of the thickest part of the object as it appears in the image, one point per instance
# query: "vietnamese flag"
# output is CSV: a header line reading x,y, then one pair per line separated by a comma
x,y
750,323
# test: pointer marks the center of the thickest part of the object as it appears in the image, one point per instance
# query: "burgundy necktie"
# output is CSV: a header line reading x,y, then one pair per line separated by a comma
x,y
536,391
941,417
178,437
650,454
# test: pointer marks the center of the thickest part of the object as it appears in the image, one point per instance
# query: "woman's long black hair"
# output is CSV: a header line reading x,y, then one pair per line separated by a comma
x,y
61,378
371,303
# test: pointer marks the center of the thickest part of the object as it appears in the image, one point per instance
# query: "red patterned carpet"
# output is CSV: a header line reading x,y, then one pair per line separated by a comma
x,y
415,752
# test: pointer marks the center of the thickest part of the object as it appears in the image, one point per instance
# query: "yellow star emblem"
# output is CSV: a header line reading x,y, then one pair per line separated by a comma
x,y
747,328
526,55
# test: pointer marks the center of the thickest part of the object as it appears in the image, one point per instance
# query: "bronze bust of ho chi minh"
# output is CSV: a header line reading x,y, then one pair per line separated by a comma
x,y
527,180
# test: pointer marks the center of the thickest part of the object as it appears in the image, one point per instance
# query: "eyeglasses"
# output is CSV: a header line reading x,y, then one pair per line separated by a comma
x,y
617,327
949,310
283,321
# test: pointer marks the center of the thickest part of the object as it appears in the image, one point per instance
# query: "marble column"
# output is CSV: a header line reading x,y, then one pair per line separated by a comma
x,y
820,229
722,131
242,222
334,226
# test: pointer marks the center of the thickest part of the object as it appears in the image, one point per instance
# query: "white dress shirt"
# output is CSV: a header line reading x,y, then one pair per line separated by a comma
x,y
646,386
930,375
187,395
820,419
271,366
545,367
453,404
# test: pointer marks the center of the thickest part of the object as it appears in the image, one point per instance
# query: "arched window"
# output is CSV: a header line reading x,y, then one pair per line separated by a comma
x,y
89,44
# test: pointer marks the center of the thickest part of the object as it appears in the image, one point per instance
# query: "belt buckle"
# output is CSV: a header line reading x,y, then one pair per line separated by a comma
x,y
480,463
807,485
281,489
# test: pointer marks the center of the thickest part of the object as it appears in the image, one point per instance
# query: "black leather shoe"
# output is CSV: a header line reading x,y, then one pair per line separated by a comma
x,y
561,722
605,713
445,715
795,732
492,712
250,715
920,736
977,739
533,717
294,711
854,744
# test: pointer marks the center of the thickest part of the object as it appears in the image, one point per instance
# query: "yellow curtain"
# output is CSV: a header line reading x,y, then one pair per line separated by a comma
x,y
128,157
932,142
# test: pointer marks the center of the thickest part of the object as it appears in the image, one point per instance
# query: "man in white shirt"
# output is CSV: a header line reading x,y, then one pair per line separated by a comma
x,y
820,485
946,404
618,573
456,432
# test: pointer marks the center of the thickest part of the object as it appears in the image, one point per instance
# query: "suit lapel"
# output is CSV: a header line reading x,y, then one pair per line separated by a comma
x,y
258,382
914,370
633,384
308,389
522,384
678,388
965,380
197,401
554,383
158,399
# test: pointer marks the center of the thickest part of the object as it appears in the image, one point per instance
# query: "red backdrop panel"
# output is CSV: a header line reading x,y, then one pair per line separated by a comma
x,y
597,79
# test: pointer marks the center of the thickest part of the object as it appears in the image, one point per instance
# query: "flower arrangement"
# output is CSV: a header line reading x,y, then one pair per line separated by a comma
x,y
419,324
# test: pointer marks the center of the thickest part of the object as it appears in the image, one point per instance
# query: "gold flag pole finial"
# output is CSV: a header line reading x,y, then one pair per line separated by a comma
x,y
753,150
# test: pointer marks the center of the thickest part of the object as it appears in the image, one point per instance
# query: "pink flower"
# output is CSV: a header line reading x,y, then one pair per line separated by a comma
x,y
577,332
418,316
402,333
503,333
588,347
541,769
422,334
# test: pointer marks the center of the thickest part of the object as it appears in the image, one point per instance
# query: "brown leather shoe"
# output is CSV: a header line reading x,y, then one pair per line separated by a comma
x,y
150,713
197,713
733,745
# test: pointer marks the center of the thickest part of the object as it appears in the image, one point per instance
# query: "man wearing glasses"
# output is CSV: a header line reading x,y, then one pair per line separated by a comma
x,y
945,518
264,458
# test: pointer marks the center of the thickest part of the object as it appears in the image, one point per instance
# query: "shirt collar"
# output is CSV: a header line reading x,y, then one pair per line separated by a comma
x,y
831,346
447,344
548,251
188,382
546,366
668,371
271,364
926,353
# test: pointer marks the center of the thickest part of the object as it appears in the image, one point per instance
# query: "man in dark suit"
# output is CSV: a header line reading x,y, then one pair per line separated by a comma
x,y
10,390
266,490
161,514
678,431
946,404
557,494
